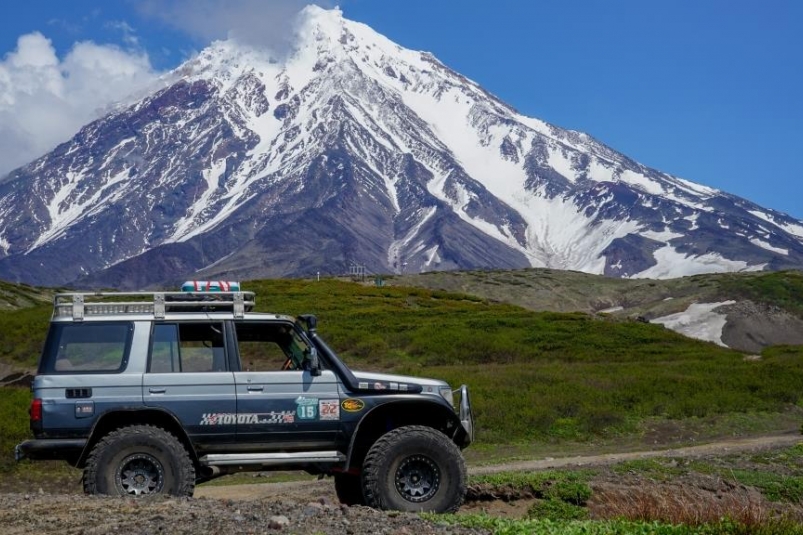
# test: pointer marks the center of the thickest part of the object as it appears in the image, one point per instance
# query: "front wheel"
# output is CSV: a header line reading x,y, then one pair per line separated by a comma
x,y
414,468
139,460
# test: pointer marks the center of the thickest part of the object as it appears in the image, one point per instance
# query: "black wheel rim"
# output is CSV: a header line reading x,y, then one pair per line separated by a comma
x,y
417,478
140,474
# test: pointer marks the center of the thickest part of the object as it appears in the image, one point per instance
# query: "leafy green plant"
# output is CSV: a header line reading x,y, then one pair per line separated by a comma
x,y
555,509
14,404
571,492
506,526
659,469
548,483
774,486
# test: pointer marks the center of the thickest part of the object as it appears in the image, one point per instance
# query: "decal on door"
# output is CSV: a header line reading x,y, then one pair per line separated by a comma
x,y
353,405
266,418
307,408
329,409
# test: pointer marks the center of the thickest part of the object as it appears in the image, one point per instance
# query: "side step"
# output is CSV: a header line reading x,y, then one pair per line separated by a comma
x,y
272,459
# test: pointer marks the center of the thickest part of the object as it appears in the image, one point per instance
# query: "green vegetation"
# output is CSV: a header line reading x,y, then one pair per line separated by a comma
x,y
656,469
22,335
783,289
16,296
537,483
774,486
14,404
506,526
552,508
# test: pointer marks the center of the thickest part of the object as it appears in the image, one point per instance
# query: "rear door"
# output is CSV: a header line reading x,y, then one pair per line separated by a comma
x,y
279,404
188,376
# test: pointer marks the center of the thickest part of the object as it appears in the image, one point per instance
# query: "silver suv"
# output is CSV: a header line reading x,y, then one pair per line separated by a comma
x,y
156,392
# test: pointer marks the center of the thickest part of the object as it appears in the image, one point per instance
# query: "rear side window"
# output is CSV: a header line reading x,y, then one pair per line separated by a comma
x,y
187,347
87,348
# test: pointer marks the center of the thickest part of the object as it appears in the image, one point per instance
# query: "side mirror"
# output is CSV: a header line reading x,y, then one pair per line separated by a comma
x,y
314,364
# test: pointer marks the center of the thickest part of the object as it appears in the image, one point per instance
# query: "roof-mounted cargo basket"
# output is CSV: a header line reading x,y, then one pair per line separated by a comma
x,y
77,306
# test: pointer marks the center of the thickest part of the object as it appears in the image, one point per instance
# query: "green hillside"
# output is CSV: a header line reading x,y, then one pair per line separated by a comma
x,y
573,291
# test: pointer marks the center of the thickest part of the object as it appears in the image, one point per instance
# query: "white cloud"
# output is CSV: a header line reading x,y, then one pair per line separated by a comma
x,y
44,99
263,23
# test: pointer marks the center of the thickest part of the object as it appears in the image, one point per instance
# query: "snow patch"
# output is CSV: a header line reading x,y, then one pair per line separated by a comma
x,y
673,264
769,247
397,247
699,321
432,257
662,236
641,182
792,228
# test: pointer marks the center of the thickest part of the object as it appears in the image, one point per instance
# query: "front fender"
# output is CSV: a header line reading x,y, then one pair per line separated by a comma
x,y
392,414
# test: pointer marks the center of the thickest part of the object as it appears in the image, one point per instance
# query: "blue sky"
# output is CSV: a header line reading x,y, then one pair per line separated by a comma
x,y
709,90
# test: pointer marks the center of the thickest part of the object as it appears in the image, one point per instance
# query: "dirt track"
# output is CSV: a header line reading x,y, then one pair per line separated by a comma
x,y
313,488
311,507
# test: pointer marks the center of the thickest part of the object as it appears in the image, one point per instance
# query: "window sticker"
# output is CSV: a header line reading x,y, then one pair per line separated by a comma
x,y
329,409
307,408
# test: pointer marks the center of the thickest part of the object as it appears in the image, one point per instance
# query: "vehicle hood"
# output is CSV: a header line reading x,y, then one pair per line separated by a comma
x,y
428,385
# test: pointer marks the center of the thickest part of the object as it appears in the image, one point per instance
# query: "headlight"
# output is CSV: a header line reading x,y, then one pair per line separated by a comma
x,y
446,393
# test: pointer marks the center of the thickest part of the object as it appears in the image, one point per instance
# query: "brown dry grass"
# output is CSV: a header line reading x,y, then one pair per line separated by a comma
x,y
676,504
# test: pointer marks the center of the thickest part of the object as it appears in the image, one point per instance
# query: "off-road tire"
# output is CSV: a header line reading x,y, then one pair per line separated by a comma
x,y
349,489
414,468
139,460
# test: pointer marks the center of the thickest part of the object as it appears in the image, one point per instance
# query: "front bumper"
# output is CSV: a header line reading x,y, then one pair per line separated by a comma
x,y
466,415
50,449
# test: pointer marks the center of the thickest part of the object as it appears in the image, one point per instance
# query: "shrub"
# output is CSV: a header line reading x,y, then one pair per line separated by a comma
x,y
555,509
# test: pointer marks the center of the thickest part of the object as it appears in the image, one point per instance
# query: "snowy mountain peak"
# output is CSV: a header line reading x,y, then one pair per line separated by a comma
x,y
348,149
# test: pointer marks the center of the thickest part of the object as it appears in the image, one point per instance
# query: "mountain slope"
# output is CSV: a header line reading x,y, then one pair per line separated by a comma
x,y
353,150
744,311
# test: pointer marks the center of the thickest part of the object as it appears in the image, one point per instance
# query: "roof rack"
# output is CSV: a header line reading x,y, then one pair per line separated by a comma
x,y
79,305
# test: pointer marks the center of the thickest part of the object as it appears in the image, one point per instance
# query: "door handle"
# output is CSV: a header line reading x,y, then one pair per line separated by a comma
x,y
255,388
157,390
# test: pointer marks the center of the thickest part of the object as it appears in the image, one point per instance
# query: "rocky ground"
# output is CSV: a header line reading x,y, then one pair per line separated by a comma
x,y
74,514
310,506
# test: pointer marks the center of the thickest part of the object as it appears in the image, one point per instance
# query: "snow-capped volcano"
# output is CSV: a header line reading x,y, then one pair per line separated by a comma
x,y
353,150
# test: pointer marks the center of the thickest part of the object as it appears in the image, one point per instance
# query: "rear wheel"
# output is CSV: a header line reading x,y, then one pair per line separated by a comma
x,y
414,468
139,460
349,489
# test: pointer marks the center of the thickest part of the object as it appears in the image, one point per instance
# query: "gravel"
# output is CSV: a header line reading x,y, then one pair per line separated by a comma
x,y
66,514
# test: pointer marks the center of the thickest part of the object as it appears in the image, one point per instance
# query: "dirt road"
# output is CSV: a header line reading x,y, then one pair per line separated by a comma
x,y
313,487
310,506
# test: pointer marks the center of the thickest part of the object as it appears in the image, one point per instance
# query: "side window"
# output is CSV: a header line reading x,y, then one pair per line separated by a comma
x,y
87,347
187,347
271,347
